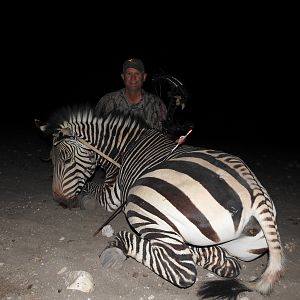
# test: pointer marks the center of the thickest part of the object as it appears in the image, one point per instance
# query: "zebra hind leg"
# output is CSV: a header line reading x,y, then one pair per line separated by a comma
x,y
217,260
113,256
172,261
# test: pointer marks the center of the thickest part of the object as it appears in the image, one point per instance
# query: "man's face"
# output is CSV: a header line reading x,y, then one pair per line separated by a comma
x,y
133,78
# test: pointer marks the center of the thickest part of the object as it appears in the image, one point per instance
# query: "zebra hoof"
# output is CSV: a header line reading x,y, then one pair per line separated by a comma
x,y
112,258
87,202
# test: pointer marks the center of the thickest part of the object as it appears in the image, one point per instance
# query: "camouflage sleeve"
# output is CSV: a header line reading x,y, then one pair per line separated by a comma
x,y
104,105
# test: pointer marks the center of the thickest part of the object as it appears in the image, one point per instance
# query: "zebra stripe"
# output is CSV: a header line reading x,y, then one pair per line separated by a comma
x,y
189,207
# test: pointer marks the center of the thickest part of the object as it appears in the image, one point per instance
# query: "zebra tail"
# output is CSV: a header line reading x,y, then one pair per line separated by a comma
x,y
275,268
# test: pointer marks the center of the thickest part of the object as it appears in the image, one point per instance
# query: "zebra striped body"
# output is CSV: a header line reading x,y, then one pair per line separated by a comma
x,y
189,207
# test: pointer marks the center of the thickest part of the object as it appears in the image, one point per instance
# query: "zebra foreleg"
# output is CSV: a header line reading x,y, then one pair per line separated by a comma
x,y
217,260
85,199
172,261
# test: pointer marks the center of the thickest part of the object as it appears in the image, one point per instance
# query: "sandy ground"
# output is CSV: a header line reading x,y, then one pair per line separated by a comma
x,y
41,242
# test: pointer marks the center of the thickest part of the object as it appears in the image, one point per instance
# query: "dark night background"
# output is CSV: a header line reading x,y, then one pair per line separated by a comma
x,y
239,73
239,62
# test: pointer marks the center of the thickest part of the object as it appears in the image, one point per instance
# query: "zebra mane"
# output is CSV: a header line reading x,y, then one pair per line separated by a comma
x,y
86,113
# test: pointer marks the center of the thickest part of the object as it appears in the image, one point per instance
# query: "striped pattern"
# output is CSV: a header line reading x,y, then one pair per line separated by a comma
x,y
74,163
196,197
188,207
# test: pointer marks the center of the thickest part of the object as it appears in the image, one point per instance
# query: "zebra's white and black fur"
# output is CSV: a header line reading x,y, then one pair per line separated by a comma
x,y
189,207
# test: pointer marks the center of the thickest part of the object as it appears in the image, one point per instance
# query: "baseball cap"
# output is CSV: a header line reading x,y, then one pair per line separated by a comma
x,y
133,63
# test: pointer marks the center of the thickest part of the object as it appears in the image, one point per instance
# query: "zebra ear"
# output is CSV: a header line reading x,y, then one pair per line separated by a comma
x,y
41,125
66,132
61,134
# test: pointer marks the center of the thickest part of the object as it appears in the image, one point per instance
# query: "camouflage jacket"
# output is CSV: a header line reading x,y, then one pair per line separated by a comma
x,y
151,108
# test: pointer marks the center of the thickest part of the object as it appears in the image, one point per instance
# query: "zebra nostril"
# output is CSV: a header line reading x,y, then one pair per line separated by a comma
x,y
66,202
56,196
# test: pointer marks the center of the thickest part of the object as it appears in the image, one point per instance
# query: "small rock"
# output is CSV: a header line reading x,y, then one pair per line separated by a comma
x,y
80,280
290,246
62,270
107,231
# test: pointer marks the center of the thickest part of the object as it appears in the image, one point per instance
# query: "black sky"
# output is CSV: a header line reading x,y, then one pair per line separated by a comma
x,y
239,76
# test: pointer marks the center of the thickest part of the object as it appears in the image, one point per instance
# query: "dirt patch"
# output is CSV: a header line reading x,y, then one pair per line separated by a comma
x,y
40,242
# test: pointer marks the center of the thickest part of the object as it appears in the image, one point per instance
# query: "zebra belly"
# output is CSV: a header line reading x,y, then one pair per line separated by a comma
x,y
202,203
208,223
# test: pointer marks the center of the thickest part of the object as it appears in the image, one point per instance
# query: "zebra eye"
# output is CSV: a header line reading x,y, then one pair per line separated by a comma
x,y
68,160
91,157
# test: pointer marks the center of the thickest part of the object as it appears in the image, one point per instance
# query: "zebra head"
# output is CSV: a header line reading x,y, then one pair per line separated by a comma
x,y
73,164
82,141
